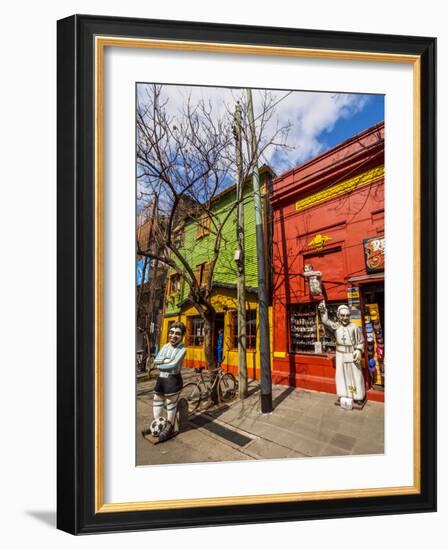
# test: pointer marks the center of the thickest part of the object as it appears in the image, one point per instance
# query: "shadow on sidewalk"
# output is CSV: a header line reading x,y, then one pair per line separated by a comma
x,y
208,423
253,390
282,396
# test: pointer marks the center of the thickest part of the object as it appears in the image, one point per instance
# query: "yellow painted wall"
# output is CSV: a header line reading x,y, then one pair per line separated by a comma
x,y
225,302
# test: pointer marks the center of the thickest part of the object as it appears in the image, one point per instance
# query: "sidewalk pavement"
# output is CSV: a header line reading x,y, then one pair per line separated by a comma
x,y
302,424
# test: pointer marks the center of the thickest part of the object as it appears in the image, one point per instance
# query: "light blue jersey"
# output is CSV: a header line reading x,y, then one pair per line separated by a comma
x,y
175,354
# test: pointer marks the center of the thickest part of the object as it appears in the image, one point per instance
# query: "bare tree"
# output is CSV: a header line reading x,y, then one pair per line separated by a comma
x,y
151,280
184,162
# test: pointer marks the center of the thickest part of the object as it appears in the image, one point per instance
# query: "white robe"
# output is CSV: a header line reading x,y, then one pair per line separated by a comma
x,y
349,377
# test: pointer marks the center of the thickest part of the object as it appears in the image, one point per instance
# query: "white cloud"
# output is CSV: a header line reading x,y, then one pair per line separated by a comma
x,y
312,116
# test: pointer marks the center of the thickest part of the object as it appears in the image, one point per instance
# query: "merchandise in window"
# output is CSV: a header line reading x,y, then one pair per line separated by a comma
x,y
307,332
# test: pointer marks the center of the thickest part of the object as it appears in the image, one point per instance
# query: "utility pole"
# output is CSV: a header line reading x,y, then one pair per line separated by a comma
x,y
265,352
239,258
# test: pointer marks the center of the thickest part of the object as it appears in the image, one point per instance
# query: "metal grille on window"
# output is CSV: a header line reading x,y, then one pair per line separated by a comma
x,y
195,331
251,330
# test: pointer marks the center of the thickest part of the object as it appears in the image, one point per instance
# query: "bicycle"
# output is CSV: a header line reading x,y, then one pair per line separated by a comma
x,y
222,383
145,363
141,361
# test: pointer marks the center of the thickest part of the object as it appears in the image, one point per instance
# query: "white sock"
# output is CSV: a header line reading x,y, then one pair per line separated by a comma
x,y
171,407
157,407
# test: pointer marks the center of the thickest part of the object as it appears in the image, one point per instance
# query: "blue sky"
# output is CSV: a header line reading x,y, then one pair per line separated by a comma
x,y
371,113
319,120
139,274
322,120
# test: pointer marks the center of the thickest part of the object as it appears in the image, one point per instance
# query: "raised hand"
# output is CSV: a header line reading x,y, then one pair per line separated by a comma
x,y
322,307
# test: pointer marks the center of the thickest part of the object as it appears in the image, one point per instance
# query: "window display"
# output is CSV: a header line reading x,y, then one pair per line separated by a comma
x,y
307,333
375,344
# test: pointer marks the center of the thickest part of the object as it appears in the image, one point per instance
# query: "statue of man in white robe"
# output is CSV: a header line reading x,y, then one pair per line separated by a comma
x,y
349,349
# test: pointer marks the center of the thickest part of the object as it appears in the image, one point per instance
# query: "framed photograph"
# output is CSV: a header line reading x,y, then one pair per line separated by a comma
x,y
246,274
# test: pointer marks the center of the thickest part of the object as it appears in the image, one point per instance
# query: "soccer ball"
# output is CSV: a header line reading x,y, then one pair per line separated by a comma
x,y
157,425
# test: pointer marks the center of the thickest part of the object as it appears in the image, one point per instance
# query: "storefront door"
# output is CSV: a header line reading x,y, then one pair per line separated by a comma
x,y
374,327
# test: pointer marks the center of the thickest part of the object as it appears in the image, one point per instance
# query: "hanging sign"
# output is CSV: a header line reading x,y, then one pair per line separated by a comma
x,y
374,254
353,293
314,279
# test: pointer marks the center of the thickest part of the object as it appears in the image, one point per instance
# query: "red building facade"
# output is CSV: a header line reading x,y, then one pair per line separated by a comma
x,y
328,244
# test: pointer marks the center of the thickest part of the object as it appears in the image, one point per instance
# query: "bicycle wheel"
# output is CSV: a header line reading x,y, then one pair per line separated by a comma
x,y
227,387
150,367
192,394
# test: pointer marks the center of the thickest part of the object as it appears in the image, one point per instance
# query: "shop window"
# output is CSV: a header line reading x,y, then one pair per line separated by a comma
x,y
201,274
195,335
174,286
251,329
203,226
307,332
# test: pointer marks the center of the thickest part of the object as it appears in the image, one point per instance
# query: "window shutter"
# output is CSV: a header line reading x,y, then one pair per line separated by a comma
x,y
205,271
197,274
203,227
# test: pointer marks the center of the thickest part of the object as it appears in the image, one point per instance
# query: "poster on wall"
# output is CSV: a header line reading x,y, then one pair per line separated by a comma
x,y
374,254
